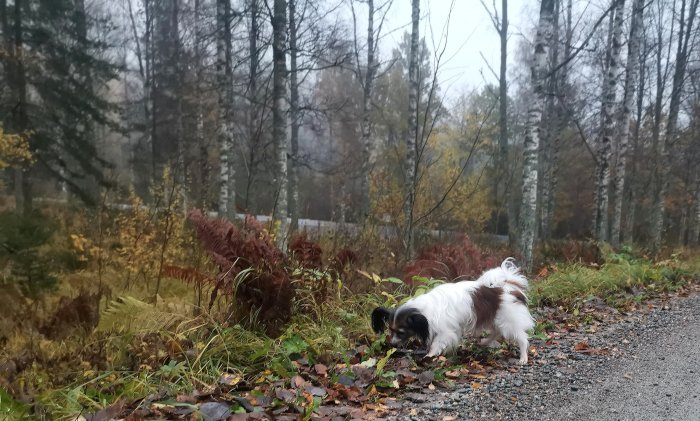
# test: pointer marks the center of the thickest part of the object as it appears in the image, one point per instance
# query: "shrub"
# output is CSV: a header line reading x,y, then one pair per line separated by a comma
x,y
452,262
252,270
21,238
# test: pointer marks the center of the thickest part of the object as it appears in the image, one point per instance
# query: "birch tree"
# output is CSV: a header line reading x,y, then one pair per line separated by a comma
x,y
412,136
631,76
224,96
295,117
367,81
603,153
528,206
279,114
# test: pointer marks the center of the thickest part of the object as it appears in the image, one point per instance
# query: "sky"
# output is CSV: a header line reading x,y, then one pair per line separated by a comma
x,y
471,35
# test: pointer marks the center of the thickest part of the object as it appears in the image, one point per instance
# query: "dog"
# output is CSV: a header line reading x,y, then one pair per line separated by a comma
x,y
440,318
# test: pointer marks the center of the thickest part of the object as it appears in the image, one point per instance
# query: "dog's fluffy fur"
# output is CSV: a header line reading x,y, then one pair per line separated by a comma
x,y
496,302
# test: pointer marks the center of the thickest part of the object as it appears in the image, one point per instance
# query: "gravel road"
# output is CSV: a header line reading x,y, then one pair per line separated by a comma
x,y
641,367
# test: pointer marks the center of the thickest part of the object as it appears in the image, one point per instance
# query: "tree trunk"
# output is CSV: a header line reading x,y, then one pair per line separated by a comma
x,y
253,105
19,117
632,74
295,121
203,155
224,128
694,239
550,138
366,121
603,154
279,115
528,206
503,175
628,234
685,34
412,137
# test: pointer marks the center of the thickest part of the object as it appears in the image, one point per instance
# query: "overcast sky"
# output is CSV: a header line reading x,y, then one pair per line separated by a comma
x,y
471,34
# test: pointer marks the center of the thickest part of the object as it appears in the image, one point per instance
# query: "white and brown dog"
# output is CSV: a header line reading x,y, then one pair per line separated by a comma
x,y
440,318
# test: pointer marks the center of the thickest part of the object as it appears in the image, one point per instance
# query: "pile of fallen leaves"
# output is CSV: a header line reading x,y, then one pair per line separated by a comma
x,y
361,387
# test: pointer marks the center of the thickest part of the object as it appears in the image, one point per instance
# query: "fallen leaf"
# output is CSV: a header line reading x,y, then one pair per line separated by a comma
x,y
426,377
475,385
321,369
315,390
628,376
448,418
369,363
285,395
214,411
581,346
297,381
229,379
431,386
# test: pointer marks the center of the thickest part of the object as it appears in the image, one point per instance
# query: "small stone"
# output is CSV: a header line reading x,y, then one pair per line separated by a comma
x,y
574,388
517,382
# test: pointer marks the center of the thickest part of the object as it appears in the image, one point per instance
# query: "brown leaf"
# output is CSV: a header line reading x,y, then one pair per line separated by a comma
x,y
285,395
475,385
581,346
321,370
298,382
186,399
628,376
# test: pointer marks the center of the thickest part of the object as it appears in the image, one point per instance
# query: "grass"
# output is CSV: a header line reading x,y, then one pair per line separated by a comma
x,y
141,347
621,277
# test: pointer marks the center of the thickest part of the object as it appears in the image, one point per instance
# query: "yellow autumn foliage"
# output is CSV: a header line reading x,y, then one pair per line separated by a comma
x,y
464,206
14,150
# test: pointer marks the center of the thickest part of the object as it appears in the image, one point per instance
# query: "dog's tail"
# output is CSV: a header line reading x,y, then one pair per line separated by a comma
x,y
507,273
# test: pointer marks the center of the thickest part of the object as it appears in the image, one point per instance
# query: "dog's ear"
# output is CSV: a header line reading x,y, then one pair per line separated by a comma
x,y
419,324
380,316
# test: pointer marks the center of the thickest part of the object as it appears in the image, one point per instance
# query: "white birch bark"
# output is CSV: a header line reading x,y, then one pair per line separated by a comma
x,y
224,97
366,118
632,74
528,206
412,136
279,115
603,154
294,118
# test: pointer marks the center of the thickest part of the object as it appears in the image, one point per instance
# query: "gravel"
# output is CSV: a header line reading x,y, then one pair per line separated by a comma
x,y
641,367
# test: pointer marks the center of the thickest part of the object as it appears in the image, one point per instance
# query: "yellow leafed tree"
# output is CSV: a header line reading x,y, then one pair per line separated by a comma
x,y
14,150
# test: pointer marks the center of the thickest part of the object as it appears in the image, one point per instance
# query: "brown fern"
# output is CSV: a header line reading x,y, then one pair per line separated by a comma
x,y
265,289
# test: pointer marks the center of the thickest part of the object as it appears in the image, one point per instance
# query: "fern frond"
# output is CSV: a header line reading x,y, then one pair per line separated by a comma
x,y
129,315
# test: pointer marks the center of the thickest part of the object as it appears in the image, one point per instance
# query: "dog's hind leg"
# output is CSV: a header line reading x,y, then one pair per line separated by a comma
x,y
492,339
523,343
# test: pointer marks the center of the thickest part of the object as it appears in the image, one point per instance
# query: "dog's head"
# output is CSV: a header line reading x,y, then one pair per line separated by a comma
x,y
404,324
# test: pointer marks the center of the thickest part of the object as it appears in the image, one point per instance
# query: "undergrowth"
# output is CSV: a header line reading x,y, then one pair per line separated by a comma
x,y
141,302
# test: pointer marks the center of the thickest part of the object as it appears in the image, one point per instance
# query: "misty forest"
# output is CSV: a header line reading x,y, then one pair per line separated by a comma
x,y
206,198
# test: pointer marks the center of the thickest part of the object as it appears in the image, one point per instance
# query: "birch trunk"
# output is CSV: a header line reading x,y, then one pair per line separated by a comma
x,y
224,128
528,206
203,158
685,34
604,148
294,117
366,118
253,105
632,74
279,115
412,137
